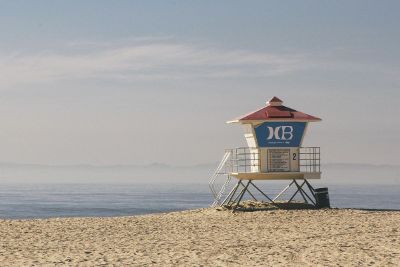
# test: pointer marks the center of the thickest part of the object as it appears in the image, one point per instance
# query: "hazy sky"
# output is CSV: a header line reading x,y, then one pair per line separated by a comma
x,y
135,82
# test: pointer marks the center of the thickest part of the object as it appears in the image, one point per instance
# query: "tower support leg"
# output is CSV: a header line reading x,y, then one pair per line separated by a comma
x,y
300,189
241,195
259,190
283,191
248,191
302,192
235,196
231,194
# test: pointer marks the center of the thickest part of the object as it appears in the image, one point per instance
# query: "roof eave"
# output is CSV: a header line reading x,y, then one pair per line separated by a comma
x,y
277,119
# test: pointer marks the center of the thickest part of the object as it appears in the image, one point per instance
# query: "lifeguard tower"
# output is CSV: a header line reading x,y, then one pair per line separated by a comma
x,y
274,136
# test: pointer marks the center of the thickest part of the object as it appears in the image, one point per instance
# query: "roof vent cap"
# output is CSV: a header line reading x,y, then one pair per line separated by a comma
x,y
275,102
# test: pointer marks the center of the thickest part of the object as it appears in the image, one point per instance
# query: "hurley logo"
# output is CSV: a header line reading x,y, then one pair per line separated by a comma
x,y
280,133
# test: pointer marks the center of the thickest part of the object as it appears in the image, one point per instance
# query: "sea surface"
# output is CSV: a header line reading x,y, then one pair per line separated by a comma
x,y
21,201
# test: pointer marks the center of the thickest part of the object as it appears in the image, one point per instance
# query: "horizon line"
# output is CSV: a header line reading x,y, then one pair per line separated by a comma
x,y
163,164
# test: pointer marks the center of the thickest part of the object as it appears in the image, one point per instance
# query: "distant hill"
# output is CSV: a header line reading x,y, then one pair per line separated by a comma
x,y
361,173
83,173
164,173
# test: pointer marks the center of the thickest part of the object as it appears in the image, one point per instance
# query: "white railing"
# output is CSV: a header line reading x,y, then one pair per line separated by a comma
x,y
248,160
244,160
310,159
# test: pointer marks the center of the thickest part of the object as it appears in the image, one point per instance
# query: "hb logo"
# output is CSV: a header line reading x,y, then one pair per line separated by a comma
x,y
280,133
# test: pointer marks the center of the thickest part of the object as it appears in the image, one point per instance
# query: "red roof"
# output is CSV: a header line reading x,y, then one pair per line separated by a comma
x,y
276,111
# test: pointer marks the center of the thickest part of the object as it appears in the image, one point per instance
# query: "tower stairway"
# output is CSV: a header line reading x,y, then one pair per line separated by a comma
x,y
220,172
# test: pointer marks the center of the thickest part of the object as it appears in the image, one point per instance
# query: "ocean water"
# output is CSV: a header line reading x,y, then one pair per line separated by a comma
x,y
19,201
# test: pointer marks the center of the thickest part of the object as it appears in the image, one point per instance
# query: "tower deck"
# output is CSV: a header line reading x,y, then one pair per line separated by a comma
x,y
276,175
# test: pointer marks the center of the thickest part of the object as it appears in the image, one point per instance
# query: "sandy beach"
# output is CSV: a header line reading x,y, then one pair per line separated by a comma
x,y
207,237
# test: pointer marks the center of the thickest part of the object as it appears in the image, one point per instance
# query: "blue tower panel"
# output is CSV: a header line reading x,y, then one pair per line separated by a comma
x,y
280,134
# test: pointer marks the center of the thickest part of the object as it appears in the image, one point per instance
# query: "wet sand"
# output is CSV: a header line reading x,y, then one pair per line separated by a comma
x,y
207,237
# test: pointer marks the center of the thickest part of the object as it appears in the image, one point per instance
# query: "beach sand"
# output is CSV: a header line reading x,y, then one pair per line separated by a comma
x,y
207,237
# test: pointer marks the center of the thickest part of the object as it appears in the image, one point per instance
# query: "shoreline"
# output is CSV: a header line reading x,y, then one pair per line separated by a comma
x,y
95,216
193,210
185,210
206,237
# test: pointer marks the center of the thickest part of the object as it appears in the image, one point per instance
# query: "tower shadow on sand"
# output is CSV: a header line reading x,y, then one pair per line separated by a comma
x,y
250,206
